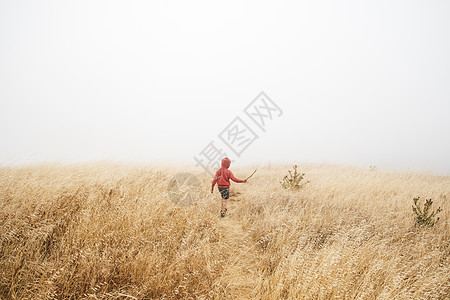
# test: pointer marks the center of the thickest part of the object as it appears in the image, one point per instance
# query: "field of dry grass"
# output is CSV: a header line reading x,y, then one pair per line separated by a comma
x,y
107,231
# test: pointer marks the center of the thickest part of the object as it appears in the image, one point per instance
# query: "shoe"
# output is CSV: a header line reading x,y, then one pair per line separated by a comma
x,y
222,214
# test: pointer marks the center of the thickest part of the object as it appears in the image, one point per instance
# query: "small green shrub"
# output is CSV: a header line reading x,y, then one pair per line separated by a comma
x,y
427,216
293,179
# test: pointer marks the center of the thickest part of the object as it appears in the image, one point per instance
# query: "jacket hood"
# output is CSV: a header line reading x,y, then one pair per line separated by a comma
x,y
226,162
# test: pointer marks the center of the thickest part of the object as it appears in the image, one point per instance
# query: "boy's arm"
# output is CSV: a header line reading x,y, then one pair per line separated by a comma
x,y
216,177
232,177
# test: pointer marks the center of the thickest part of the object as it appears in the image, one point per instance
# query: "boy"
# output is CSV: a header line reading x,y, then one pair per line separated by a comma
x,y
222,178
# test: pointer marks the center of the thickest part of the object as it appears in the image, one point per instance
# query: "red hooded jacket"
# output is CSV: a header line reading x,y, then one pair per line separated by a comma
x,y
223,175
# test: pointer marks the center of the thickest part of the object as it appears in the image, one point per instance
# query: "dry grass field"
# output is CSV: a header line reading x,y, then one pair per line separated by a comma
x,y
110,231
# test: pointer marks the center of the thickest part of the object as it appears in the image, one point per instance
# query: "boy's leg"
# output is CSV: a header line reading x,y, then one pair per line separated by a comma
x,y
225,193
224,205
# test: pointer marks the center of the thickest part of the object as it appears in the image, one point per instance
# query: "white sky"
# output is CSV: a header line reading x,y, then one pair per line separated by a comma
x,y
359,82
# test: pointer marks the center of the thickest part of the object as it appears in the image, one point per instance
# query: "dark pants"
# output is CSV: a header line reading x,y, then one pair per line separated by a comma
x,y
225,193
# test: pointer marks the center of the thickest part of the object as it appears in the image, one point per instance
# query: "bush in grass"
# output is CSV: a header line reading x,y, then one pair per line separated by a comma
x,y
293,179
425,217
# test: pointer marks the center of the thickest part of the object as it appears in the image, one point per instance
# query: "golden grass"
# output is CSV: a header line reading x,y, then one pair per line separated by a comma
x,y
107,231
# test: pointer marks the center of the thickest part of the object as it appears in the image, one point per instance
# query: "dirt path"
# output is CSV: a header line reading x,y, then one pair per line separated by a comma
x,y
240,277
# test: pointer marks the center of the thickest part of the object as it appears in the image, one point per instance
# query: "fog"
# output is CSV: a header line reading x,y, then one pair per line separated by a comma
x,y
356,82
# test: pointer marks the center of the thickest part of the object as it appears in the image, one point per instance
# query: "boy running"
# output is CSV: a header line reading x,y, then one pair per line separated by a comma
x,y
222,178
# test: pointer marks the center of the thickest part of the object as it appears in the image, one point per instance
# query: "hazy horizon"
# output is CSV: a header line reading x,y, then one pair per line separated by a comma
x,y
357,83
